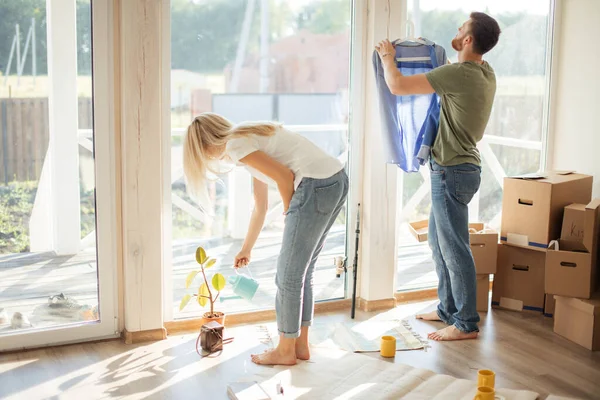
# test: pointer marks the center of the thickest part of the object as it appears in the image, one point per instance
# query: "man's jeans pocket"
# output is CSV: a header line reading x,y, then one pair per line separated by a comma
x,y
466,184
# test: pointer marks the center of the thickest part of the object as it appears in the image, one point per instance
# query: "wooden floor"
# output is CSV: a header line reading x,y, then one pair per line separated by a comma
x,y
520,348
27,280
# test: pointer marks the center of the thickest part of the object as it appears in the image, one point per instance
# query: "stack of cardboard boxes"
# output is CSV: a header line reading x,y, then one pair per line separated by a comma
x,y
548,257
549,253
572,275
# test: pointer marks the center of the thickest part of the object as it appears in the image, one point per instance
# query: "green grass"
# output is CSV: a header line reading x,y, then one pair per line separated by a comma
x,y
17,200
16,204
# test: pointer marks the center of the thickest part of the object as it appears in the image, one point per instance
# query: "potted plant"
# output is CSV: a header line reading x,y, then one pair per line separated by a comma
x,y
205,294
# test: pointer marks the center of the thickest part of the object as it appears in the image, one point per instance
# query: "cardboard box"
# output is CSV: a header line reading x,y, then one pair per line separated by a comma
x,y
419,229
578,320
519,279
484,247
573,220
572,269
533,206
483,292
484,243
549,305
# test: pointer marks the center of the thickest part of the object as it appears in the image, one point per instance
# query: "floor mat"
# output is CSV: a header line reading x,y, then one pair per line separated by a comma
x,y
361,337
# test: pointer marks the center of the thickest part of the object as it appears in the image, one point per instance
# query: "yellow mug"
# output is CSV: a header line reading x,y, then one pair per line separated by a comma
x,y
487,393
486,377
388,346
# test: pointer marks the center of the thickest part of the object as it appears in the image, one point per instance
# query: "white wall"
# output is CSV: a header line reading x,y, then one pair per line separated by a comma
x,y
142,134
378,237
575,128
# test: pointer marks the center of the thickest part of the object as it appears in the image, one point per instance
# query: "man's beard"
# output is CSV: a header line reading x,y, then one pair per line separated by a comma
x,y
457,44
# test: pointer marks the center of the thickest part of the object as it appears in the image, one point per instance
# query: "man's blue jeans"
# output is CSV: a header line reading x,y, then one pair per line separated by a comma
x,y
452,188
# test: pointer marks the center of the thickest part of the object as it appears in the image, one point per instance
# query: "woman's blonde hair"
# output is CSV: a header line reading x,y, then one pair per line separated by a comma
x,y
205,137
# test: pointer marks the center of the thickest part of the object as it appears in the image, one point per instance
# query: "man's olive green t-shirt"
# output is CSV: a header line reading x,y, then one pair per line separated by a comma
x,y
467,93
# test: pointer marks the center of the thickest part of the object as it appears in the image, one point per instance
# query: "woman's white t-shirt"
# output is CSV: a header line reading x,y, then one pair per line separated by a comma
x,y
303,157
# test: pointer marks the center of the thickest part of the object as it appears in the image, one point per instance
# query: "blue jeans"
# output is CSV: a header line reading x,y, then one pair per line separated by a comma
x,y
452,188
313,210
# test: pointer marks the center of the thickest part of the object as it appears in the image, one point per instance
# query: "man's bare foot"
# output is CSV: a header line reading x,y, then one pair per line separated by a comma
x,y
302,351
451,333
430,316
274,357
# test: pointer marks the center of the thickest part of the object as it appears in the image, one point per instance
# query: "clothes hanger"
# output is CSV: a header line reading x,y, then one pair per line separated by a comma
x,y
410,27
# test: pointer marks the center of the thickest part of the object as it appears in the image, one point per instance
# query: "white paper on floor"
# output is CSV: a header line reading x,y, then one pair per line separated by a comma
x,y
337,374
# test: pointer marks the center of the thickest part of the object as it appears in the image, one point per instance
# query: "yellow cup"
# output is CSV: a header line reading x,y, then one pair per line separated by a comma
x,y
388,346
485,393
486,377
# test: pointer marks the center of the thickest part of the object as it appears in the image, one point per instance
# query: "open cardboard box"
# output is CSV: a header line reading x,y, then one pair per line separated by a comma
x,y
484,243
419,229
571,270
533,206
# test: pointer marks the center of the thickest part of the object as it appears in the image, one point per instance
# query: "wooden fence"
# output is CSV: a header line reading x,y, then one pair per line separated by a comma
x,y
24,131
24,136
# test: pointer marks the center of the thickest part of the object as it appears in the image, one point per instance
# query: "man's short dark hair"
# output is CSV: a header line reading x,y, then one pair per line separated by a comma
x,y
485,31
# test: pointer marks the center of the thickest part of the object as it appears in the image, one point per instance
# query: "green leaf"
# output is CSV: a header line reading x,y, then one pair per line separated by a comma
x,y
184,301
190,278
218,282
210,262
203,291
200,255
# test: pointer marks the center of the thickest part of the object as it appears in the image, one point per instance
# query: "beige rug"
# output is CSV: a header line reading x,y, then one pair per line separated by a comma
x,y
337,374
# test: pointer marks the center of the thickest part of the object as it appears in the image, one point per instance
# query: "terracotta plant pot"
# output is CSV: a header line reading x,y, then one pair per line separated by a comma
x,y
220,318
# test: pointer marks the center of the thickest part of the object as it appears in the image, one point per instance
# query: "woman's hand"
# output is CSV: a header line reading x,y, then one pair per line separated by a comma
x,y
286,191
281,174
242,259
385,49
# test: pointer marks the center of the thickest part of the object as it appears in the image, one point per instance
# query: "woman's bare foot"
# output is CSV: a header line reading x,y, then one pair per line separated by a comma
x,y
430,316
274,357
302,351
301,345
451,333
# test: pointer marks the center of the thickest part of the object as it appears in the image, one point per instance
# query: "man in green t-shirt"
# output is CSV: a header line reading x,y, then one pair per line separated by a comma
x,y
467,91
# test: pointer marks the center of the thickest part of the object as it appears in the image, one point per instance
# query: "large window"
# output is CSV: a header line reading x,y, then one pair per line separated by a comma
x,y
48,274
255,60
513,141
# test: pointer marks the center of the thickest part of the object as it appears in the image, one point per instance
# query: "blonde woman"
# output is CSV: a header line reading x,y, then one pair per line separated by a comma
x,y
313,187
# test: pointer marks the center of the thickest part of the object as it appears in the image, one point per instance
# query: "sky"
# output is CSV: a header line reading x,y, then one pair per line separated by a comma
x,y
540,7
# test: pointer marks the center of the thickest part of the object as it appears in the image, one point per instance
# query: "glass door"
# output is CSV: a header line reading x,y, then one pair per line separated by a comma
x,y
255,60
57,246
